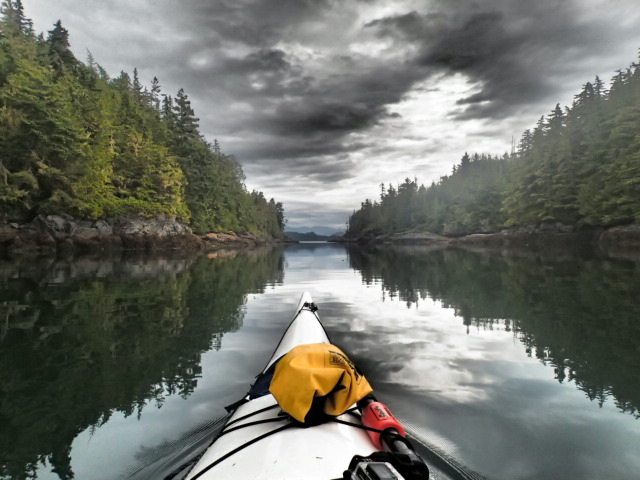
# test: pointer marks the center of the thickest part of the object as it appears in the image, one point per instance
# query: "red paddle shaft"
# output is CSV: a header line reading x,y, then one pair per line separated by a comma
x,y
390,437
377,415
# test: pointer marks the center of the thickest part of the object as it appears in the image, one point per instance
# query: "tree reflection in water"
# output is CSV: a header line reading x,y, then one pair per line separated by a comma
x,y
576,312
80,341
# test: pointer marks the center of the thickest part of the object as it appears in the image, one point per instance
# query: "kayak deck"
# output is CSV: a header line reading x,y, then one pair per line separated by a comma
x,y
304,328
276,449
320,452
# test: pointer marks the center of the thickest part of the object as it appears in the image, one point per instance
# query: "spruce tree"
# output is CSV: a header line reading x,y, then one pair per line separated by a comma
x,y
154,94
60,54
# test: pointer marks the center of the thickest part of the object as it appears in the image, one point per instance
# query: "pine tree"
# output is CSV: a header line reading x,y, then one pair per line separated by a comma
x,y
186,121
91,61
136,87
154,94
60,54
14,22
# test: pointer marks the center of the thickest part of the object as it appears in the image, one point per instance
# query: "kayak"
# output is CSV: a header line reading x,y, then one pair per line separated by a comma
x,y
261,441
320,452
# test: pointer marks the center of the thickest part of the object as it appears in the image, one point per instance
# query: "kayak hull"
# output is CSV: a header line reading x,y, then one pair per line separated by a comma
x,y
319,452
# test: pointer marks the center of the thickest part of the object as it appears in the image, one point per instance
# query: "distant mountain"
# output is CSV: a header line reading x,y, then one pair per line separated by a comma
x,y
323,231
310,237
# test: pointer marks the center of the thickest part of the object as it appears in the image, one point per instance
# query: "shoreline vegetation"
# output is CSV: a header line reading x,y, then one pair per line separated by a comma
x,y
94,162
575,176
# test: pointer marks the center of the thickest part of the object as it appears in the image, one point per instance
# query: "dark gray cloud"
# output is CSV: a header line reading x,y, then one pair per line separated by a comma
x,y
263,61
256,23
325,94
337,91
336,168
304,151
520,53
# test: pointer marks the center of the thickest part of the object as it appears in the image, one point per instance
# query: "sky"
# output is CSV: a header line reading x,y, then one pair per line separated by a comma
x,y
321,101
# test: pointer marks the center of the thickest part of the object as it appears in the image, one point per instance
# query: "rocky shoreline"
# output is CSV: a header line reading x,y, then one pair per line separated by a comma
x,y
61,234
625,236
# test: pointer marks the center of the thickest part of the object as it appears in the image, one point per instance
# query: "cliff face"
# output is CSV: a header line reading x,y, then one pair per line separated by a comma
x,y
49,234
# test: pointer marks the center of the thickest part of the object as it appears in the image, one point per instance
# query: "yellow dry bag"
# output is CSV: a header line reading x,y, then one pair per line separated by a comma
x,y
316,380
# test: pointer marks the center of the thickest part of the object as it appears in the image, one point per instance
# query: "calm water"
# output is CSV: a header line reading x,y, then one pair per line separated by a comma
x,y
520,366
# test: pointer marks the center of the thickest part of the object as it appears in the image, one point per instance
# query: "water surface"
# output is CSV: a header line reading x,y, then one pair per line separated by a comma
x,y
520,365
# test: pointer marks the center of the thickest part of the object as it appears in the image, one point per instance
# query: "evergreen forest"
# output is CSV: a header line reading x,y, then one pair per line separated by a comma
x,y
579,167
75,141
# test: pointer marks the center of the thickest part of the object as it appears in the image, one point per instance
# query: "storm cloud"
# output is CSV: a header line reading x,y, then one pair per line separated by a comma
x,y
516,51
351,94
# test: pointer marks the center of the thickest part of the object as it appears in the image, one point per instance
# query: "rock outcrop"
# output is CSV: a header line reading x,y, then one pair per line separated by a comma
x,y
48,234
622,236
539,236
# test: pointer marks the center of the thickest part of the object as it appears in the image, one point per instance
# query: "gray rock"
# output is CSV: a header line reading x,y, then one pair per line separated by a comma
x,y
159,227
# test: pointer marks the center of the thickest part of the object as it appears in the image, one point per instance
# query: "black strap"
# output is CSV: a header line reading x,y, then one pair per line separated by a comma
x,y
251,424
272,432
234,406
270,407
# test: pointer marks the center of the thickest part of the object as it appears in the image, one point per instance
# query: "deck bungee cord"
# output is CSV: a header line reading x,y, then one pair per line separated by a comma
x,y
441,460
406,467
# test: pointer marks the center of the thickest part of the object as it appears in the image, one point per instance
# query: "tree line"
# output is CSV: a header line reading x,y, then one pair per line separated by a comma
x,y
579,166
74,140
